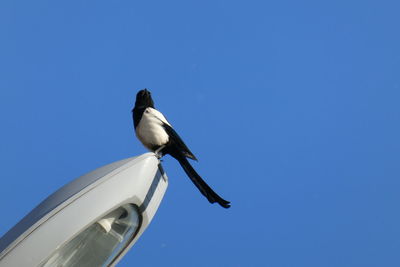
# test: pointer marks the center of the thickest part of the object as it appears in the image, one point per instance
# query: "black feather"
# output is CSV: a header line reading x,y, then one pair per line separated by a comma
x,y
203,187
178,142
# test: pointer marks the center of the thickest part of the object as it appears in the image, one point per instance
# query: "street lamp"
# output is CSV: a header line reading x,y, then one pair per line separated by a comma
x,y
92,221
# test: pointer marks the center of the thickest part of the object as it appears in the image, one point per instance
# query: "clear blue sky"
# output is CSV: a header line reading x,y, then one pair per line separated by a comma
x,y
292,108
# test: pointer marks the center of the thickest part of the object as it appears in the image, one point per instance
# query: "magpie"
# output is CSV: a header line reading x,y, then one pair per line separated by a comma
x,y
157,135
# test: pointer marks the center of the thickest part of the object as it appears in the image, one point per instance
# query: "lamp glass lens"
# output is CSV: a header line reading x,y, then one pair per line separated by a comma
x,y
101,242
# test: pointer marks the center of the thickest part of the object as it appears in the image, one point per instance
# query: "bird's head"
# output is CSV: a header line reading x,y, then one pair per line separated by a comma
x,y
143,99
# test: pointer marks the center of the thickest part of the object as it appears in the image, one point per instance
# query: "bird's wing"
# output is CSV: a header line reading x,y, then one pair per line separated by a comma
x,y
173,135
157,114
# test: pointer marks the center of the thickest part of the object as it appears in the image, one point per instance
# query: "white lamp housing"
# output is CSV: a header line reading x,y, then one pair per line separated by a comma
x,y
92,221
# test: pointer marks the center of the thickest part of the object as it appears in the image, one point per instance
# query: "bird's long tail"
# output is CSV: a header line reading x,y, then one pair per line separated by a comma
x,y
200,183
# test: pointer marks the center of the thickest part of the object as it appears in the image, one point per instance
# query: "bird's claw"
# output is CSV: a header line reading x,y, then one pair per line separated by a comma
x,y
158,152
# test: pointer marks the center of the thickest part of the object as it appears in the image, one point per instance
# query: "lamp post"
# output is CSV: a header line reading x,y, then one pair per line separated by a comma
x,y
92,221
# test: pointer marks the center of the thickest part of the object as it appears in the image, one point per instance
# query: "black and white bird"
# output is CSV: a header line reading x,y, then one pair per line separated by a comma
x,y
157,135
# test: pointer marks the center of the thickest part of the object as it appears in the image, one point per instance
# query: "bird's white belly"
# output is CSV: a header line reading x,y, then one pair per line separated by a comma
x,y
150,132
